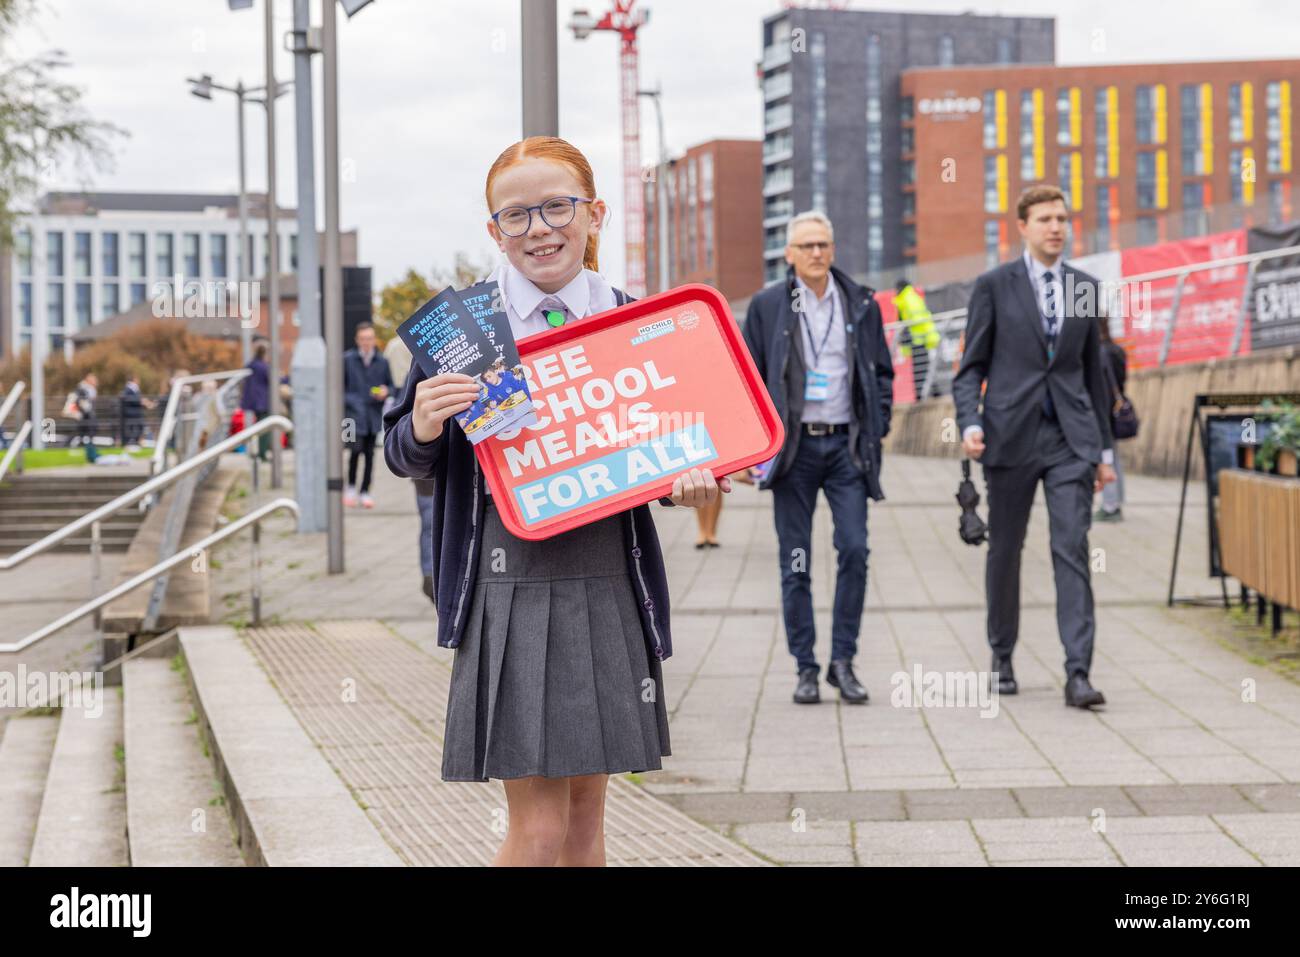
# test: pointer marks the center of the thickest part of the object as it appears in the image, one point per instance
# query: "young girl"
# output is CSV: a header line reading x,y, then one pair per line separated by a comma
x,y
557,680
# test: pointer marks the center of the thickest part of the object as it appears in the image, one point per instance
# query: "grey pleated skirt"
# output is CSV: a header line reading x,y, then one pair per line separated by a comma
x,y
553,676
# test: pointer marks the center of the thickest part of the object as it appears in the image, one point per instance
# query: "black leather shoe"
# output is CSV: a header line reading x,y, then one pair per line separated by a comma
x,y
840,675
1080,694
427,587
1006,676
806,692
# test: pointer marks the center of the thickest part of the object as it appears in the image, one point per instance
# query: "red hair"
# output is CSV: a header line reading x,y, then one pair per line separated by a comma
x,y
557,151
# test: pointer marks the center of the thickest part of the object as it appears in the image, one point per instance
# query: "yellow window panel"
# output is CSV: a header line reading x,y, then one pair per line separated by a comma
x,y
1247,112
1076,117
1207,126
1038,134
1247,181
1076,181
1162,179
1002,182
1162,115
1112,131
1001,100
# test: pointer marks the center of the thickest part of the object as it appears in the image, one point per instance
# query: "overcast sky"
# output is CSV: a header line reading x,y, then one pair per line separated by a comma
x,y
429,93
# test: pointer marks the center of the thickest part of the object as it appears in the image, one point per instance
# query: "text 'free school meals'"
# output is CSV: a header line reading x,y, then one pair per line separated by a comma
x,y
621,431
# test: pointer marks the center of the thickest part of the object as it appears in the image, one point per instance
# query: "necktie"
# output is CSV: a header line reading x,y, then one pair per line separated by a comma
x,y
1051,323
554,312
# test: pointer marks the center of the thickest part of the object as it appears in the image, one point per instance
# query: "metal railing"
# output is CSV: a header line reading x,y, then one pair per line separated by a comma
x,y
93,519
20,437
189,554
169,419
952,323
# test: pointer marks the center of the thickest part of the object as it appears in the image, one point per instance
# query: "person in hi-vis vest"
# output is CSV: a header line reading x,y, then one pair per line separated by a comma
x,y
919,336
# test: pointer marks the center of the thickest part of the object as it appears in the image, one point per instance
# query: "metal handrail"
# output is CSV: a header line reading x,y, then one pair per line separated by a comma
x,y
148,574
14,448
146,488
168,423
1170,273
14,392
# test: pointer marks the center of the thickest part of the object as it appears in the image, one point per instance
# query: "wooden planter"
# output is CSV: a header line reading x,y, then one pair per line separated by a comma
x,y
1259,533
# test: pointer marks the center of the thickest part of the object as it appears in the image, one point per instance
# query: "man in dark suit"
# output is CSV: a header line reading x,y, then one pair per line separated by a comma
x,y
367,382
819,344
1031,335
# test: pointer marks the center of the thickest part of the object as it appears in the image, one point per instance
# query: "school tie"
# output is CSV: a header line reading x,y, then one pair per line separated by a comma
x,y
1051,326
553,311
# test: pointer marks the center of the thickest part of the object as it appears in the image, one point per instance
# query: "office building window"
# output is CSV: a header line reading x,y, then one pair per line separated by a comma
x,y
1277,202
137,293
1240,110
25,304
1101,131
945,50
908,172
1148,233
23,249
82,302
1146,180
1235,162
190,252
108,303
81,255
820,161
109,254
876,135
1030,127
1063,176
1147,114
1195,113
706,178
1006,51
907,109
991,203
1193,209
1101,238
217,255
992,252
990,119
909,205
164,254
707,223
135,254
1277,104
1063,137
54,305
293,252
54,253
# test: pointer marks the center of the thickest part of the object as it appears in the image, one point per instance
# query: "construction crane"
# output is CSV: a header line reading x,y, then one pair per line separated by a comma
x,y
625,21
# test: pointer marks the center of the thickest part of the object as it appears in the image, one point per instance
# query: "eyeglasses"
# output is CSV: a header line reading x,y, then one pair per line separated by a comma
x,y
557,212
811,247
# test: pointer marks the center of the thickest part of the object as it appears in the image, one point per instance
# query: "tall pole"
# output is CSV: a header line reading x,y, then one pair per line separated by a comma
x,y
661,191
541,97
307,374
243,269
273,247
40,341
333,293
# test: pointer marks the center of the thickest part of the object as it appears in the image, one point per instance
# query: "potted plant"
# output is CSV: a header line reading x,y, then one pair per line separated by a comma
x,y
1280,447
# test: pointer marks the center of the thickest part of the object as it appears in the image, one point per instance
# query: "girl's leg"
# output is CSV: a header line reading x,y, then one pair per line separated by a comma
x,y
584,842
702,533
539,810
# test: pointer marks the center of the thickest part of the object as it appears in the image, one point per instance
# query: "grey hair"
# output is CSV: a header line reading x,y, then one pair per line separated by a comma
x,y
810,216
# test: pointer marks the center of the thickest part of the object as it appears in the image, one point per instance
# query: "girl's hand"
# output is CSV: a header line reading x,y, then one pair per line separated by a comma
x,y
437,400
697,488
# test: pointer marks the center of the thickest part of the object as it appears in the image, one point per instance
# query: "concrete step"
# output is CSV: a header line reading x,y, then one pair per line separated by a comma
x,y
83,812
11,544
62,513
175,811
25,752
289,806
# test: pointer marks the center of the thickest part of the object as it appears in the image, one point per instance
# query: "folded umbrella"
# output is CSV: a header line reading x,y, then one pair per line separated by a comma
x,y
970,526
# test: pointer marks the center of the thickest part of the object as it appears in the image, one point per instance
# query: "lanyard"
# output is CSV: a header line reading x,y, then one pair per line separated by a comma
x,y
817,350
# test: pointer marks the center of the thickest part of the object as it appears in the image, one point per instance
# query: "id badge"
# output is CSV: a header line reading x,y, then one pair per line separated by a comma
x,y
817,388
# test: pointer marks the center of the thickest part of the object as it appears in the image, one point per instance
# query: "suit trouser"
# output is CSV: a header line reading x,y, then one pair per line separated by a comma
x,y
1067,486
822,462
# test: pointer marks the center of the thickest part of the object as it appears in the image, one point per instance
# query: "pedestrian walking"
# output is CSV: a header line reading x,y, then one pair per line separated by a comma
x,y
819,343
255,395
367,382
1115,365
1031,336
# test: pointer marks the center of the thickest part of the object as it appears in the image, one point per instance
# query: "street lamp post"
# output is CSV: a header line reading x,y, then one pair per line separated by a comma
x,y
541,98
273,248
661,192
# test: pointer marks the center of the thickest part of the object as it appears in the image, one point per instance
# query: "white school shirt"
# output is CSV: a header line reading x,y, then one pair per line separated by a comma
x,y
820,313
585,295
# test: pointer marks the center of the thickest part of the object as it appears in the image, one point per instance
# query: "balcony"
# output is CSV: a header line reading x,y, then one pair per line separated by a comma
x,y
780,180
777,86
778,118
779,54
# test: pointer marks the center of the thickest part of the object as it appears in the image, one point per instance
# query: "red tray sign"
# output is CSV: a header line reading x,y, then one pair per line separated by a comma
x,y
626,401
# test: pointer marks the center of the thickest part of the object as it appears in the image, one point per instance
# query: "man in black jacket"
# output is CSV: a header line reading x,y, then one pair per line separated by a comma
x,y
367,382
819,344
1031,335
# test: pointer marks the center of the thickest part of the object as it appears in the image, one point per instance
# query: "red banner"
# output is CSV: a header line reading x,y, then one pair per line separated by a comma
x,y
1208,308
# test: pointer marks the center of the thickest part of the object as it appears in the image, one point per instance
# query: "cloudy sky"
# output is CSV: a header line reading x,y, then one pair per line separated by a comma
x,y
429,92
